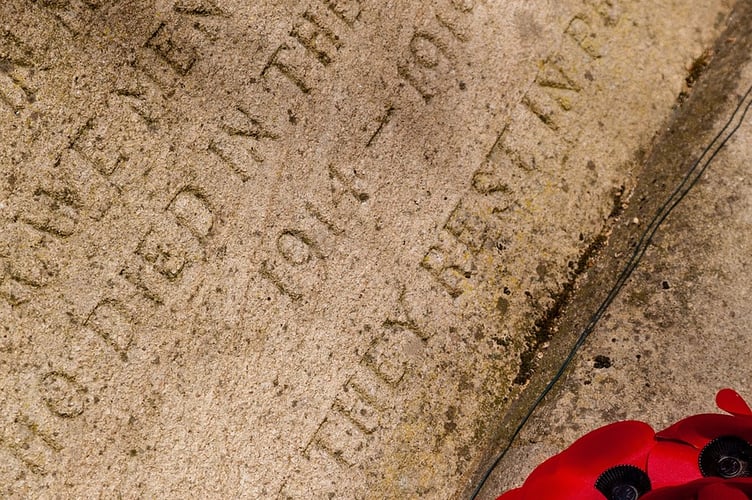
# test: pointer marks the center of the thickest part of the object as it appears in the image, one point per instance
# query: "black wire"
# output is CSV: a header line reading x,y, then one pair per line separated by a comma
x,y
688,182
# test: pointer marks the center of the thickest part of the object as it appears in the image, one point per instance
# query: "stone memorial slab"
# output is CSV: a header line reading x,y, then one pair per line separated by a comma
x,y
302,249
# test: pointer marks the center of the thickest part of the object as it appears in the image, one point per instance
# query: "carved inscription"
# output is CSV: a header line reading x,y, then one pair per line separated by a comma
x,y
298,248
72,190
178,237
169,54
198,7
73,15
239,142
312,32
171,245
25,264
17,60
357,412
347,10
430,60
475,225
299,264
175,50
313,44
62,394
171,51
87,177
360,408
111,320
29,444
112,145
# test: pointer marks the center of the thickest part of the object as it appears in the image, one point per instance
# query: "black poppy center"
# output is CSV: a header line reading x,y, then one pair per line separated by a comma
x,y
730,467
623,482
727,457
624,492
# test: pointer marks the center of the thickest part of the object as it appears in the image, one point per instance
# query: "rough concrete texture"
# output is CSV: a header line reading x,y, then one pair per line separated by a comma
x,y
679,330
303,248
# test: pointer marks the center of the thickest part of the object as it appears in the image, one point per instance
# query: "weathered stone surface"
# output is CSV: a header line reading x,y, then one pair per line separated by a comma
x,y
288,249
678,331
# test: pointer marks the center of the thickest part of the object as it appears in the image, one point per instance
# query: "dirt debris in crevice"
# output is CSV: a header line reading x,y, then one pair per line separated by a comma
x,y
545,327
694,72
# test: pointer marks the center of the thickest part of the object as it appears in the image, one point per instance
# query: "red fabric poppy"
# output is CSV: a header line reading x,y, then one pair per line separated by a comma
x,y
676,456
710,488
573,473
676,459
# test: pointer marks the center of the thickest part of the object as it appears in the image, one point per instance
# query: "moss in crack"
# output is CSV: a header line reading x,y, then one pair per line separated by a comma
x,y
695,70
544,327
619,205
698,67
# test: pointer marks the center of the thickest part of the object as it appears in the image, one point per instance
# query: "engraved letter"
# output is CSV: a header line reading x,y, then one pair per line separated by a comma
x,y
287,70
320,40
30,445
450,276
62,394
110,321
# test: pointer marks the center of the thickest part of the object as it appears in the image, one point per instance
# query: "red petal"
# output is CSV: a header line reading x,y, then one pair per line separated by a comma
x,y
672,463
698,430
730,401
560,489
744,484
572,473
687,491
620,443
709,488
721,491
515,494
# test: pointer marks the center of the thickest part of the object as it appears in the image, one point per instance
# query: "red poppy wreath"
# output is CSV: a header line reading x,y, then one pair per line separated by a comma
x,y
704,457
